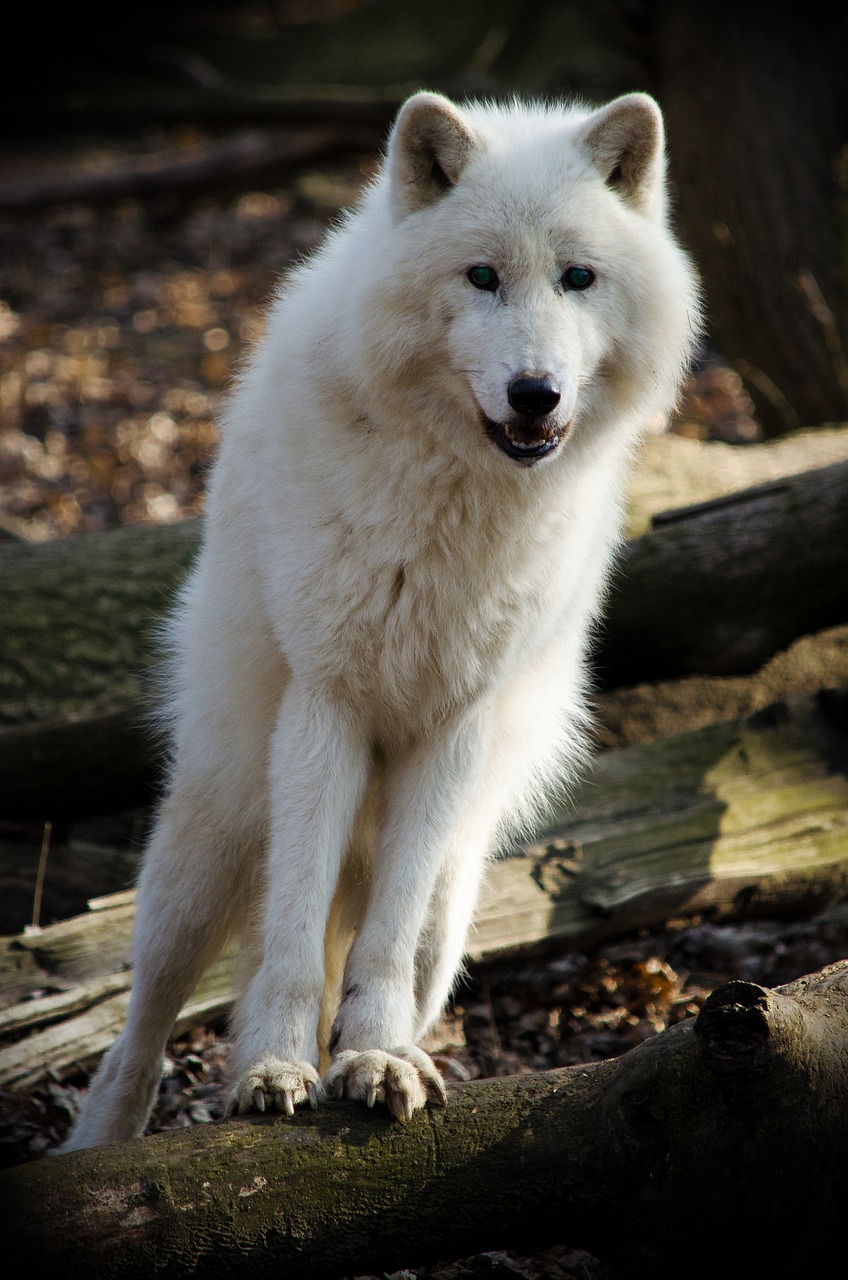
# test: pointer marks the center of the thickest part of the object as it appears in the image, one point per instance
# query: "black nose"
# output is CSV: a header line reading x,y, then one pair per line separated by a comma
x,y
532,395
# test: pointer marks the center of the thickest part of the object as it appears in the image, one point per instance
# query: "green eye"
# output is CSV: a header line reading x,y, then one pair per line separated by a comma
x,y
577,278
483,277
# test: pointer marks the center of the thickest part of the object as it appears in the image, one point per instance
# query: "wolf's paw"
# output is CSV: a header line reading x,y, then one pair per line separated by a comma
x,y
275,1083
404,1079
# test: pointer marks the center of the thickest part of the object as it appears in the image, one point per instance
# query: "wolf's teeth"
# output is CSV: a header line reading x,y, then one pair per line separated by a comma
x,y
520,443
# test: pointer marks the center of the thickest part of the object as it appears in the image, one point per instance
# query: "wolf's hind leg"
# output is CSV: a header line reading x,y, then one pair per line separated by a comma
x,y
194,888
442,943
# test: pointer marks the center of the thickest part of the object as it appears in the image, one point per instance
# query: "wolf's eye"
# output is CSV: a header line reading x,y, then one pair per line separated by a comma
x,y
577,277
483,277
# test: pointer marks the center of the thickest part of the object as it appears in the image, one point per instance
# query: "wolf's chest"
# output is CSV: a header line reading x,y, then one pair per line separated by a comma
x,y
416,635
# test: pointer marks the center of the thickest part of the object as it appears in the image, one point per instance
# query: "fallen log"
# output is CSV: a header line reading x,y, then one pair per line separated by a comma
x,y
76,652
689,1155
673,472
632,714
739,820
333,105
716,588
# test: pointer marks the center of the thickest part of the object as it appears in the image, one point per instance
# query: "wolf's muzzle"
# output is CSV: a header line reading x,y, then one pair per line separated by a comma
x,y
532,433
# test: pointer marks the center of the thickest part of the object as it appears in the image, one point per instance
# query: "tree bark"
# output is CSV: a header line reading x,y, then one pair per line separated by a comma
x,y
739,820
739,1115
716,589
757,115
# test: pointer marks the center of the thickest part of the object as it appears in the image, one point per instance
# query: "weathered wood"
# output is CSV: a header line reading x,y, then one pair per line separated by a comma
x,y
741,819
78,616
740,1113
715,590
76,655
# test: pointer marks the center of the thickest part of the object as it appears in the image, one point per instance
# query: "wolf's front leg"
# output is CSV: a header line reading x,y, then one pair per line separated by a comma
x,y
426,794
318,773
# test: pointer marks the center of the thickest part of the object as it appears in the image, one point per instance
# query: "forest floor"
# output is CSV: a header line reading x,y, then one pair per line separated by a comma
x,y
120,330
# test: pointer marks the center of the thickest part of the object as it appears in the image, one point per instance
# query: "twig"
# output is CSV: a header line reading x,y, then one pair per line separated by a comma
x,y
770,391
39,879
808,285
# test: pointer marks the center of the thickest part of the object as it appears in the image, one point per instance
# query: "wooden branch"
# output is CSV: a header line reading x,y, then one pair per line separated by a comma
x,y
738,1116
741,819
245,158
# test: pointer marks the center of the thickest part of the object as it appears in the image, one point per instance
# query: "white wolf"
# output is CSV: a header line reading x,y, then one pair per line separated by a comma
x,y
378,661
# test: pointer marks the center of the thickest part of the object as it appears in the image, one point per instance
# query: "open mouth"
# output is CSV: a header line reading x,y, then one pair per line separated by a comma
x,y
526,441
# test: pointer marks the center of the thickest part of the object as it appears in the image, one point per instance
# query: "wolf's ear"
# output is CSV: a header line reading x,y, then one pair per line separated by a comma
x,y
626,143
430,145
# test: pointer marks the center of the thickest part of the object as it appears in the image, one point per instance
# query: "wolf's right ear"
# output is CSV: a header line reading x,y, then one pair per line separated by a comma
x,y
625,141
429,146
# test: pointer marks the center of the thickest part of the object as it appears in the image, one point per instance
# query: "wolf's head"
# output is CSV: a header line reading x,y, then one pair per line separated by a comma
x,y
530,274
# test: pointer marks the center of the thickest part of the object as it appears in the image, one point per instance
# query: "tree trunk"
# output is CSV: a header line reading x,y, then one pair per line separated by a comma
x,y
738,1115
757,114
716,589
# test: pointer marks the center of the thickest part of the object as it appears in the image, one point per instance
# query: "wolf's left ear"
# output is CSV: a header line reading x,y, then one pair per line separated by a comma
x,y
626,143
430,145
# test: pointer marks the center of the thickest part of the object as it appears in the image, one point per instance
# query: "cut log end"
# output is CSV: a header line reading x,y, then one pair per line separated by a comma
x,y
733,1029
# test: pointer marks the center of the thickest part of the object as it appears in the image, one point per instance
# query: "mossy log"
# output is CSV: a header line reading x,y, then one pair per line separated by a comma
x,y
718,588
689,1155
741,819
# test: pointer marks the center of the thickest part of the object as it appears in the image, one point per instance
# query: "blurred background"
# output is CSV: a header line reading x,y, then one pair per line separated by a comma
x,y
161,165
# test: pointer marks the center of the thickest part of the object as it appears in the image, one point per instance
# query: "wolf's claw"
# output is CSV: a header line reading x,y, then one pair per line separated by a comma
x,y
273,1082
405,1079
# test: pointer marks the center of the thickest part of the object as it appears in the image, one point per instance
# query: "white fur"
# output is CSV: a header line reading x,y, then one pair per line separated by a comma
x,y
378,661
